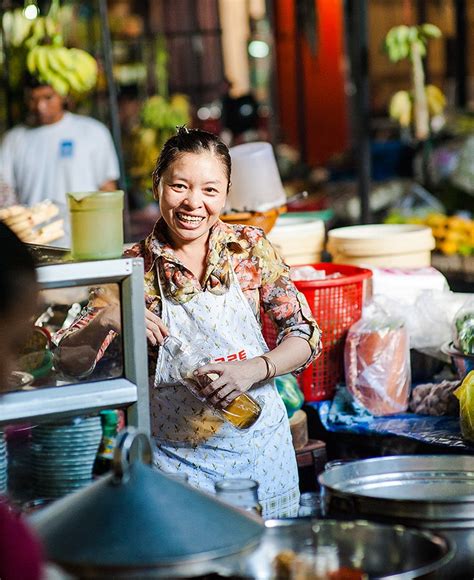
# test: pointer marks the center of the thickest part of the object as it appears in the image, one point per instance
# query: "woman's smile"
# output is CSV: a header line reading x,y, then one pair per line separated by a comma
x,y
189,221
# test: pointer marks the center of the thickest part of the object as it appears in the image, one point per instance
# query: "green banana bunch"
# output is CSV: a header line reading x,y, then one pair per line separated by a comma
x,y
397,42
158,113
400,40
67,70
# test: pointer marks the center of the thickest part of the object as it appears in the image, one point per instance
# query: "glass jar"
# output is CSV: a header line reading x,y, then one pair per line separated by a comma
x,y
241,493
242,412
310,505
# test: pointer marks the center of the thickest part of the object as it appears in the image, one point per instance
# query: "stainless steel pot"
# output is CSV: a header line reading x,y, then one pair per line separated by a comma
x,y
381,551
433,492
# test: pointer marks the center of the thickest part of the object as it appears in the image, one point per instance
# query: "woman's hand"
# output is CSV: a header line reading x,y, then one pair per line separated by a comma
x,y
155,328
229,380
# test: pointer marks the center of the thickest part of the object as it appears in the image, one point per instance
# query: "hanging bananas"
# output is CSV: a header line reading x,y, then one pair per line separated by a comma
x,y
400,108
401,105
67,70
400,40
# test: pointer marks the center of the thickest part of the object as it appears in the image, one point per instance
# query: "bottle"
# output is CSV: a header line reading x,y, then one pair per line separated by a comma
x,y
105,454
242,412
241,493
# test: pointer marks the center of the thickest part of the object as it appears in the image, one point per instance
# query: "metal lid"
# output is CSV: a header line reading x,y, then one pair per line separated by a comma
x,y
139,520
437,486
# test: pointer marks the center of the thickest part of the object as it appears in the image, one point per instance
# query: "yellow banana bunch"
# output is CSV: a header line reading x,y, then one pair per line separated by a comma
x,y
67,70
401,107
436,100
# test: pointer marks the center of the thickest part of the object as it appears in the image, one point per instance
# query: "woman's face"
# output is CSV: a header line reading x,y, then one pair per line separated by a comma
x,y
192,193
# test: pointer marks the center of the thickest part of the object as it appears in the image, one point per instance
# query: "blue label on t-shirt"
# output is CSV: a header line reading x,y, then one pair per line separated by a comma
x,y
66,149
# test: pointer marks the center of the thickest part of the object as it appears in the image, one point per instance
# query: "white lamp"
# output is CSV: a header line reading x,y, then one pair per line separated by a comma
x,y
256,183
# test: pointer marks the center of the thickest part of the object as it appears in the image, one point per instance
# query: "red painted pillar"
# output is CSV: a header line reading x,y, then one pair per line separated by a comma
x,y
321,87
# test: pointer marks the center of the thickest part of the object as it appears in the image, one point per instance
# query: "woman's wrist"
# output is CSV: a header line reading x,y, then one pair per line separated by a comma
x,y
270,367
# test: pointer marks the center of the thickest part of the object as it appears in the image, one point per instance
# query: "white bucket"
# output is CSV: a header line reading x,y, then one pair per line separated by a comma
x,y
385,245
299,240
255,180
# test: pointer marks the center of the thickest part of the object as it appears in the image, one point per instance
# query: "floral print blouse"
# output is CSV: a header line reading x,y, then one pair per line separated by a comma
x,y
263,277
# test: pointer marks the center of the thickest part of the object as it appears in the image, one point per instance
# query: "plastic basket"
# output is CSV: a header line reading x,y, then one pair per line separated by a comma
x,y
336,303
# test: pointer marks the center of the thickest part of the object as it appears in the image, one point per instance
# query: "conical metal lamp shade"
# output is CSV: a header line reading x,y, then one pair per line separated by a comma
x,y
143,524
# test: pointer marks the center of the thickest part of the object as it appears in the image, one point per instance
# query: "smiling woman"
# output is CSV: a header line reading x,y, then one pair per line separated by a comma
x,y
205,284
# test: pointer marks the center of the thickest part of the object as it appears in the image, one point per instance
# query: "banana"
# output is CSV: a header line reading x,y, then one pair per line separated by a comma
x,y
400,108
430,30
61,62
436,100
85,67
42,65
58,83
31,60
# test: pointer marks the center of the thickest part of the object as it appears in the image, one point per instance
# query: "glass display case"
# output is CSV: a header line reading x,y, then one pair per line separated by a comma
x,y
42,390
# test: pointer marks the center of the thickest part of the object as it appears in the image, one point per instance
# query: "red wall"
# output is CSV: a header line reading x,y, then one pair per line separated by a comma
x,y
323,83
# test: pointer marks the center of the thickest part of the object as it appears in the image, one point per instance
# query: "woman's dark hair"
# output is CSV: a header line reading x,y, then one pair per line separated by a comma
x,y
16,265
191,141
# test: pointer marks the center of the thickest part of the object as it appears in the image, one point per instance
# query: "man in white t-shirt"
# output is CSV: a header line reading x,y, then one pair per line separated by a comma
x,y
57,152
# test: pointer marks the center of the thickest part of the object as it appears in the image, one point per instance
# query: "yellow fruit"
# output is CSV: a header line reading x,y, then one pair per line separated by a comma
x,y
448,248
400,108
457,223
435,220
435,99
439,232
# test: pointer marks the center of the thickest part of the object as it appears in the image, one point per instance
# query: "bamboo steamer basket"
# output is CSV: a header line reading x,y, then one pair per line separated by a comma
x,y
299,240
384,245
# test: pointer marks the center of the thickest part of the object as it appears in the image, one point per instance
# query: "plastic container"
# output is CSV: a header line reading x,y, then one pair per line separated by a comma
x,y
386,245
299,240
336,303
256,183
96,224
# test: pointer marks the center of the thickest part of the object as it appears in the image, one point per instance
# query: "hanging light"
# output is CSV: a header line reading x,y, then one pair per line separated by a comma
x,y
31,10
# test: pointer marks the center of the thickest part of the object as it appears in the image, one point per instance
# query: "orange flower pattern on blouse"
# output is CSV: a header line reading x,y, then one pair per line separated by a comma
x,y
262,274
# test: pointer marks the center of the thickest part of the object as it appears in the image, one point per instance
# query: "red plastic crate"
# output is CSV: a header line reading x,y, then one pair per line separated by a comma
x,y
336,303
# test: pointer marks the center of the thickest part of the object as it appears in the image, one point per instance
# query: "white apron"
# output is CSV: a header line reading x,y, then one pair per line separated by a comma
x,y
193,439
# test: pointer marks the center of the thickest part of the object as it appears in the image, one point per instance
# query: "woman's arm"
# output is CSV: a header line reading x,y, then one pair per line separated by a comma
x,y
299,338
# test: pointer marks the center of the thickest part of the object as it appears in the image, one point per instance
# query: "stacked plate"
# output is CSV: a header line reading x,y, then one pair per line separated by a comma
x,y
63,455
3,463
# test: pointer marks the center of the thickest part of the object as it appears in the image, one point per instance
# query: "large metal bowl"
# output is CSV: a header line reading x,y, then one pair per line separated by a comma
x,y
381,551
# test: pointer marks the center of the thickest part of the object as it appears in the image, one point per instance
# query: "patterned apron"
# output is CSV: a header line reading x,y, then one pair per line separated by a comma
x,y
193,439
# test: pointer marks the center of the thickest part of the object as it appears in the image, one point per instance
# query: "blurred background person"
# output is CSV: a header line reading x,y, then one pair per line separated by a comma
x,y
20,551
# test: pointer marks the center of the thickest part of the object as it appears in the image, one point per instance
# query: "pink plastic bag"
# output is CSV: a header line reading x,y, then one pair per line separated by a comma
x,y
377,362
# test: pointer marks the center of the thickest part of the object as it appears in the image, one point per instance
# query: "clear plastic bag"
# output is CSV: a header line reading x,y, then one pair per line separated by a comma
x,y
377,361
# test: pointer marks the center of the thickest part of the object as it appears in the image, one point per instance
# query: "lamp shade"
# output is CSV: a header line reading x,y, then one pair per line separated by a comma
x,y
255,180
